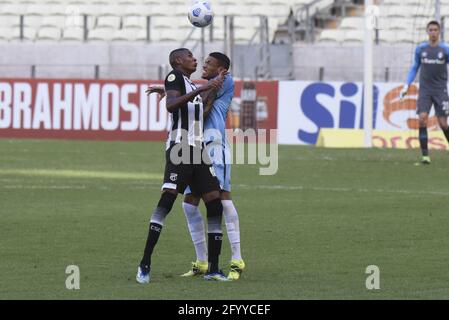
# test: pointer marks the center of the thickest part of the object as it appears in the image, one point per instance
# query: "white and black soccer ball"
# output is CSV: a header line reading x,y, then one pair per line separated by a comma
x,y
201,14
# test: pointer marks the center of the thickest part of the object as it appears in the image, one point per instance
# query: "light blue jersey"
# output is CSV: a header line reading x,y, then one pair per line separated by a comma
x,y
215,123
215,135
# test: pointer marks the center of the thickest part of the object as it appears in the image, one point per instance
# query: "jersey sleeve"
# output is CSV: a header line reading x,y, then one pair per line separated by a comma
x,y
225,95
446,51
174,81
416,64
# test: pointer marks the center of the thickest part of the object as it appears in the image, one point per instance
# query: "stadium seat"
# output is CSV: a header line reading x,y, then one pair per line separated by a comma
x,y
38,9
5,33
134,22
49,33
32,21
131,34
137,10
110,10
168,35
353,23
357,36
54,21
73,34
164,22
28,34
9,21
13,9
103,34
113,22
331,35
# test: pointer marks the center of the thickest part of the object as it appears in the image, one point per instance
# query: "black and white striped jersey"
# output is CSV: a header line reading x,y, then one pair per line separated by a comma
x,y
187,121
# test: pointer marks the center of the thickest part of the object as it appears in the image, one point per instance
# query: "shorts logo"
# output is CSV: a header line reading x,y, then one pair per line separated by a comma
x,y
212,171
157,229
171,78
445,107
173,176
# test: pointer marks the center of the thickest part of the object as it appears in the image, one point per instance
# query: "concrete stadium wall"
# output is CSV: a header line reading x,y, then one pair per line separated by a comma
x,y
345,62
140,61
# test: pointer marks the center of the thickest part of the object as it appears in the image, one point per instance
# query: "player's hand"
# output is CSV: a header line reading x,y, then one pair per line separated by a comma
x,y
403,92
214,84
156,88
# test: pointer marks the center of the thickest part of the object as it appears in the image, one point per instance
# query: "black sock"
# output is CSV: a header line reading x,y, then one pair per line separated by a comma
x,y
423,141
214,250
446,133
153,235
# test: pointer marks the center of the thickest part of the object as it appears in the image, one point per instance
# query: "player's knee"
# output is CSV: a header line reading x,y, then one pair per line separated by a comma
x,y
191,199
167,200
214,208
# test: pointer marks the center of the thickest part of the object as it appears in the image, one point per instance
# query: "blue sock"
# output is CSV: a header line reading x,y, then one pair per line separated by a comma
x,y
423,141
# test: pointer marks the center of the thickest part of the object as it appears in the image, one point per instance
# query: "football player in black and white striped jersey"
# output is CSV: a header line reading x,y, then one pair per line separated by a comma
x,y
186,163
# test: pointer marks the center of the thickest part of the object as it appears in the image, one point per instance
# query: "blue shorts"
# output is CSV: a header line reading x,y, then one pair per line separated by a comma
x,y
220,157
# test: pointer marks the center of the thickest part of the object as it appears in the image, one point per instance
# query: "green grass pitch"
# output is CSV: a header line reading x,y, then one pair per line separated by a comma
x,y
308,232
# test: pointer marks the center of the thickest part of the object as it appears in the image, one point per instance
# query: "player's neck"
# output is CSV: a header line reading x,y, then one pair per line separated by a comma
x,y
434,43
185,72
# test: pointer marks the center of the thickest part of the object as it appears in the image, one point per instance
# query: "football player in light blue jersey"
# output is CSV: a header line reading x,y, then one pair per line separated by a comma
x,y
219,151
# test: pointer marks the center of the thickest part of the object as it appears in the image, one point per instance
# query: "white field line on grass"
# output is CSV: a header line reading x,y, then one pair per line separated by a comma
x,y
158,177
81,174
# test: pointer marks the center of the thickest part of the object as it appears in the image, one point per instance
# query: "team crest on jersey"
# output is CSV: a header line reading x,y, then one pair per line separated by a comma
x,y
171,78
424,54
212,171
173,176
440,55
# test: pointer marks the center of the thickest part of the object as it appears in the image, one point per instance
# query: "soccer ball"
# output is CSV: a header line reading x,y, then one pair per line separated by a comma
x,y
201,14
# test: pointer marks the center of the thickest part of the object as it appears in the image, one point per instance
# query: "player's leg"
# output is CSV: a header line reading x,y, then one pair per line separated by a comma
x,y
157,220
424,105
223,172
442,112
174,181
233,230
214,232
442,121
205,183
423,136
197,231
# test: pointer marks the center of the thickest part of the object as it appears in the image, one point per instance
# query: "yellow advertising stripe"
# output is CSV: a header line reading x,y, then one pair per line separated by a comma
x,y
81,174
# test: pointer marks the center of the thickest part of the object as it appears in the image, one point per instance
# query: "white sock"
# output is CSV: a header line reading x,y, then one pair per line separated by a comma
x,y
232,227
197,231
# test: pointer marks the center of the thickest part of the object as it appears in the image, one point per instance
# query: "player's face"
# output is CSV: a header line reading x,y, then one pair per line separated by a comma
x,y
189,62
210,68
434,32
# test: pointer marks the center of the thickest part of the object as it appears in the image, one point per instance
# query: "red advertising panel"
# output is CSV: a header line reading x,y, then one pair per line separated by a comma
x,y
105,109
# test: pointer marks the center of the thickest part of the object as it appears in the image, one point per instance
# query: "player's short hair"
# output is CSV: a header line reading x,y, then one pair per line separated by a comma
x,y
223,59
175,54
435,23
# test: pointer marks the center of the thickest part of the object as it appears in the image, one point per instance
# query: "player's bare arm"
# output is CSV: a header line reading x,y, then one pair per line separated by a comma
x,y
175,100
209,96
156,88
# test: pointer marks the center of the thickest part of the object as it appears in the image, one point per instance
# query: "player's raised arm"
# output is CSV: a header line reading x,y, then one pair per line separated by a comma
x,y
210,96
156,88
412,73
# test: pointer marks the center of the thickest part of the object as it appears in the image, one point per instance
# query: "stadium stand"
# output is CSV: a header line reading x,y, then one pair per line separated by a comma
x,y
110,19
